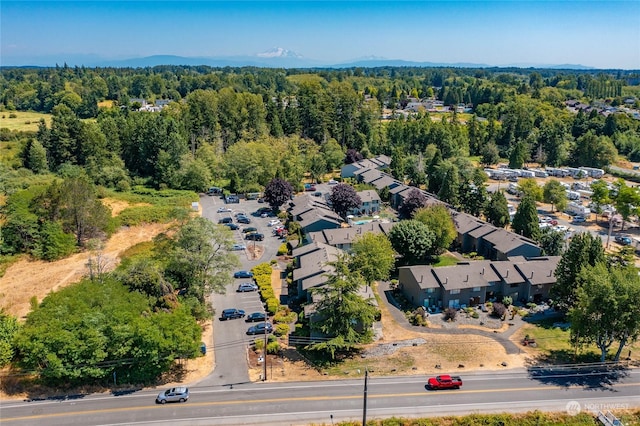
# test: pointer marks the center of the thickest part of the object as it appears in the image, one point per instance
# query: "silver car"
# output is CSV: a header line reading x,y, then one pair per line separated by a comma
x,y
180,394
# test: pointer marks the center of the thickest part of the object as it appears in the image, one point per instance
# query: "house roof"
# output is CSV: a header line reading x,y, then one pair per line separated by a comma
x,y
465,222
369,175
347,235
466,275
399,188
539,270
483,229
317,280
384,159
508,272
505,241
315,262
423,274
384,181
307,248
316,215
368,196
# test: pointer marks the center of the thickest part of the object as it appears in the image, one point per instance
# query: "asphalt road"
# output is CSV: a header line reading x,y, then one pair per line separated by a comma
x,y
301,403
230,340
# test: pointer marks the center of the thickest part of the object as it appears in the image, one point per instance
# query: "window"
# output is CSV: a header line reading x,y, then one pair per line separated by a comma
x,y
476,289
454,291
430,290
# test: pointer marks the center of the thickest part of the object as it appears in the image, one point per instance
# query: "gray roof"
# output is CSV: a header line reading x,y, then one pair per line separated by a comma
x,y
505,241
317,215
369,175
465,223
508,272
399,188
384,182
348,234
484,229
423,274
466,275
315,262
539,270
368,196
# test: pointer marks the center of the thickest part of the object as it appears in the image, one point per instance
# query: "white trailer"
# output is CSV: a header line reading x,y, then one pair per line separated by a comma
x,y
576,209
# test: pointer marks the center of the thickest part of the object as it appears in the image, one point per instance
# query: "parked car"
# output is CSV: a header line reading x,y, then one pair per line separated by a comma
x,y
260,328
180,394
243,219
332,182
254,236
625,241
243,274
224,210
309,187
317,194
237,247
232,226
214,190
444,381
273,222
245,287
249,229
231,313
232,199
256,317
225,220
579,219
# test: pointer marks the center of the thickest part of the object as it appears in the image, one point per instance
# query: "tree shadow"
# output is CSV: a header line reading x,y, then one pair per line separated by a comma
x,y
588,375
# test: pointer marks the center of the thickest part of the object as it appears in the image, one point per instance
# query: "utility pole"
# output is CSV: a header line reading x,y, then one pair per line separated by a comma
x,y
364,407
264,352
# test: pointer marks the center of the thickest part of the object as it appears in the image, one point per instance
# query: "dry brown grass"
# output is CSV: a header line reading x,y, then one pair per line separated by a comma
x,y
28,278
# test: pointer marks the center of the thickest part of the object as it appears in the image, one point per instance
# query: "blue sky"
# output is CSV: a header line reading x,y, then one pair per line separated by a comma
x,y
601,34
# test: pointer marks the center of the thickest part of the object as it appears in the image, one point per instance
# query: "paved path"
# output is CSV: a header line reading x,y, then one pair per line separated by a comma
x,y
500,337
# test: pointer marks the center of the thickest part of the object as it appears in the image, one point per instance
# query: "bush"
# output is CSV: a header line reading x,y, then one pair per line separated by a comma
x,y
285,316
450,314
499,310
283,249
507,301
282,329
475,314
273,347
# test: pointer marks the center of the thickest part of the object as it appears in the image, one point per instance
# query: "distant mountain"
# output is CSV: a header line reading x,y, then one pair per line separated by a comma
x,y
279,52
382,62
276,57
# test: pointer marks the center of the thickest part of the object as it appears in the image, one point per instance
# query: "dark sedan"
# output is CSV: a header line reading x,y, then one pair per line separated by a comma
x,y
243,274
260,328
256,317
231,313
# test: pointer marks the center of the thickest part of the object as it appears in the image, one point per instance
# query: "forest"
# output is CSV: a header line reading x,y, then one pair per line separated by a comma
x,y
239,128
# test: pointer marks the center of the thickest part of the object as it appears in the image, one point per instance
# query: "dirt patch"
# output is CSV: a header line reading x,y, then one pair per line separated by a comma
x,y
28,278
117,206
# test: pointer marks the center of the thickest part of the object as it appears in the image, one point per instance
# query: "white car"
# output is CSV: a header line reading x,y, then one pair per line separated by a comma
x,y
273,222
238,247
224,210
332,182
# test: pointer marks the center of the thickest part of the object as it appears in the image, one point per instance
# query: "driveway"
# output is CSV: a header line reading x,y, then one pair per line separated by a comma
x,y
398,315
230,341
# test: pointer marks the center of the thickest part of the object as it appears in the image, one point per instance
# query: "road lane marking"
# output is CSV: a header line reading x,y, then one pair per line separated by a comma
x,y
308,398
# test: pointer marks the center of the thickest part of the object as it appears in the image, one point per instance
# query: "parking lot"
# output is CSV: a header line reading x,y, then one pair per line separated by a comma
x,y
230,341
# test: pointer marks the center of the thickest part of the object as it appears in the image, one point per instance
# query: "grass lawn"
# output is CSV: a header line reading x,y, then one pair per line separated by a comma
x,y
446,259
552,345
23,121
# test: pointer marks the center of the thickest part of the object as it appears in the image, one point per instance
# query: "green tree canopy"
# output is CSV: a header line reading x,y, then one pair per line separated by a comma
x,y
343,315
413,240
525,221
438,219
555,194
497,211
584,250
373,257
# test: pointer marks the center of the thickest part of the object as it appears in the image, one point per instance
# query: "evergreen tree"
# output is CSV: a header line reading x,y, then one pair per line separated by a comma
x,y
525,221
497,211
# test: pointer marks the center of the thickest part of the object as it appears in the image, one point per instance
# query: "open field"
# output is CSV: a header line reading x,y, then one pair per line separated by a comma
x,y
23,121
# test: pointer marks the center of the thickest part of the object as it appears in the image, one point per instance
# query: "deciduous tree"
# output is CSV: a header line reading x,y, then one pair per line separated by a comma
x,y
414,201
555,194
343,199
438,219
412,240
277,192
373,257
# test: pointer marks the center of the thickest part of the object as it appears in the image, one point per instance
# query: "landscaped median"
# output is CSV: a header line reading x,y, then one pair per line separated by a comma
x,y
282,315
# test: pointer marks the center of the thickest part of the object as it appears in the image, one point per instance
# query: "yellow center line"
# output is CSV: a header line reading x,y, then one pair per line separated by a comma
x,y
302,398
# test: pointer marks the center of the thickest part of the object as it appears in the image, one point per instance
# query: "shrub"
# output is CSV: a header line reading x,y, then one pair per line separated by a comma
x,y
475,314
258,344
507,301
273,347
285,316
499,310
13,115
272,305
281,329
283,249
450,314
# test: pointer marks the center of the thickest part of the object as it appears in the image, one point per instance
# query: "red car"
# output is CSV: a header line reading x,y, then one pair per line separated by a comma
x,y
444,381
